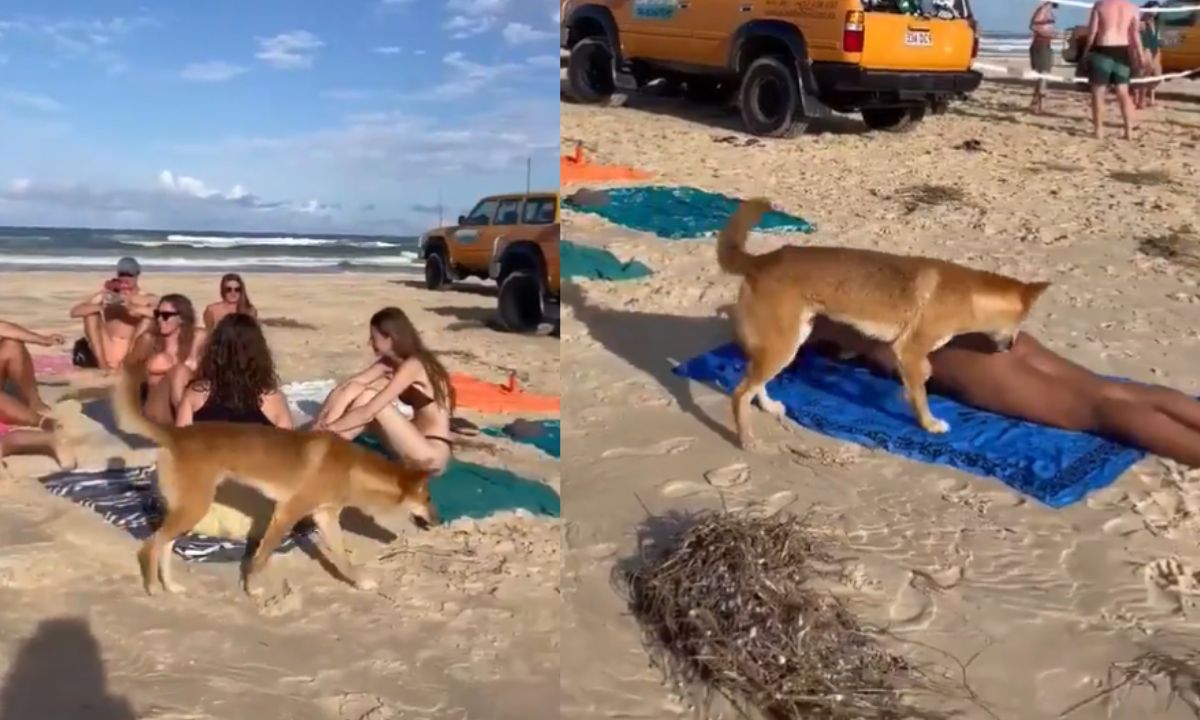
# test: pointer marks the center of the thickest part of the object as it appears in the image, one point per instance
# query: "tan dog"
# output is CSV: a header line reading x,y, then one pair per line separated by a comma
x,y
914,304
305,473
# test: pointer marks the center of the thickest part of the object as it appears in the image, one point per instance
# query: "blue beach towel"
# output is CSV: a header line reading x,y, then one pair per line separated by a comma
x,y
126,497
849,402
596,264
542,434
679,212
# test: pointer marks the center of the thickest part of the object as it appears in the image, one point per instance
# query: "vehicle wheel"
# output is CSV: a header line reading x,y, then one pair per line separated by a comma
x,y
770,99
709,90
520,302
436,276
894,119
590,71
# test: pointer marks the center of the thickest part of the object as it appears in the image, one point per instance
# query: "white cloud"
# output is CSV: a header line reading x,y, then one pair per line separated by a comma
x,y
418,52
347,94
473,17
290,50
213,71
88,39
478,7
462,26
29,101
387,50
516,33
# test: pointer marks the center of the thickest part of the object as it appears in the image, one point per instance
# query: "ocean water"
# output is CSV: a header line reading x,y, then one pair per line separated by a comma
x,y
1007,43
85,249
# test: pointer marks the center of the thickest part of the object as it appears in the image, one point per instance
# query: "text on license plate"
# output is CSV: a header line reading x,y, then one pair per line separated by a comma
x,y
918,38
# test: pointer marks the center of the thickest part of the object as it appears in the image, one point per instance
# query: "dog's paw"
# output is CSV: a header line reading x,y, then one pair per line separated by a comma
x,y
774,408
937,426
173,587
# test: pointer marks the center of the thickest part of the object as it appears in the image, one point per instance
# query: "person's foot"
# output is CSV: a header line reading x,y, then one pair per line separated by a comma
x,y
64,454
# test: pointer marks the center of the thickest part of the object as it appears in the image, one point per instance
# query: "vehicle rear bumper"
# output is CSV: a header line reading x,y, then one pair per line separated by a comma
x,y
901,84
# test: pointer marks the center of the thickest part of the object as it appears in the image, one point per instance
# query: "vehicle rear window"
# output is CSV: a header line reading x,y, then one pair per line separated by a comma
x,y
538,211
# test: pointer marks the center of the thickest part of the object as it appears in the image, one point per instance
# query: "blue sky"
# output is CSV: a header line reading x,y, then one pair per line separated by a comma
x,y
292,115
1013,15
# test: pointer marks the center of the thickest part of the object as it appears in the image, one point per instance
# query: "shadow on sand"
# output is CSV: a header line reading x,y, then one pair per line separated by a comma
x,y
59,673
461,287
654,343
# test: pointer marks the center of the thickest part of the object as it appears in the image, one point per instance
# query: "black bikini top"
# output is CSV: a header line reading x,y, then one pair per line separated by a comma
x,y
414,398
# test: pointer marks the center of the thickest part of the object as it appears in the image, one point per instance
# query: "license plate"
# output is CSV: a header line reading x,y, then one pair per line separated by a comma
x,y
918,38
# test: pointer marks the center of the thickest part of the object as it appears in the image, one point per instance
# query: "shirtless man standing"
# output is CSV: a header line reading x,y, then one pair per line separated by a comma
x,y
1113,51
113,318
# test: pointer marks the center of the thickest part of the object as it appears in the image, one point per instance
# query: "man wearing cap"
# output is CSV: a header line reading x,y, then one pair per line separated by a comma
x,y
113,318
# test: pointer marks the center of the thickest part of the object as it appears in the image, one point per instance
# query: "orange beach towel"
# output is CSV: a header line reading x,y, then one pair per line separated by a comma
x,y
576,168
475,394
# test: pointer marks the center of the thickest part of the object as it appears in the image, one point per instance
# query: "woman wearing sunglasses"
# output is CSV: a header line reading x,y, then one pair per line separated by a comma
x,y
234,299
168,352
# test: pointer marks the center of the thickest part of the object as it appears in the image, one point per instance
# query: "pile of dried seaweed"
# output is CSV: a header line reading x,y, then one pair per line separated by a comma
x,y
728,609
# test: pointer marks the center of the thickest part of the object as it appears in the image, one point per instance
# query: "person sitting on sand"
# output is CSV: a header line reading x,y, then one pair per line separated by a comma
x,y
407,371
168,353
112,318
1041,50
25,425
1033,383
1112,51
235,379
234,299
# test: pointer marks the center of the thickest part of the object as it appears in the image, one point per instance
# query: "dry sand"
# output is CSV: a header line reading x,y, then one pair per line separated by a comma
x,y
1045,599
465,623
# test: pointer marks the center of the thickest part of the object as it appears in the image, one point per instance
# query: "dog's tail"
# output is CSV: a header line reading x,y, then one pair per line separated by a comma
x,y
731,243
127,408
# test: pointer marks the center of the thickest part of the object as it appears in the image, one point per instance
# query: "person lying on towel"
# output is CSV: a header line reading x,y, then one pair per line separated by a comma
x,y
1033,383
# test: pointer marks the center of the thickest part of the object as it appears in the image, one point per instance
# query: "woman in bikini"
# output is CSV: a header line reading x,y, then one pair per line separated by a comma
x,y
25,425
168,352
235,379
234,299
405,370
1033,383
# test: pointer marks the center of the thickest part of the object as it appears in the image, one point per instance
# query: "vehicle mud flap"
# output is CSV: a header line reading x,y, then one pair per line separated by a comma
x,y
810,105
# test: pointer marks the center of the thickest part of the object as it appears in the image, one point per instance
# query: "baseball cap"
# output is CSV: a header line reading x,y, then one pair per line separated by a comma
x,y
128,266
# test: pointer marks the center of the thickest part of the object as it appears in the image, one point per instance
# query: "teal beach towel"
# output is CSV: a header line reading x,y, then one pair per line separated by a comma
x,y
678,212
581,261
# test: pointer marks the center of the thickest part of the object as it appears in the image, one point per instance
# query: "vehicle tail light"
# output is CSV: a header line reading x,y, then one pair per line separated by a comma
x,y
852,33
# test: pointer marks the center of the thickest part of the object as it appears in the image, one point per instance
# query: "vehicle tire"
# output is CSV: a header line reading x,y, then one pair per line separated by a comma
x,y
590,71
520,304
770,99
710,90
437,277
893,119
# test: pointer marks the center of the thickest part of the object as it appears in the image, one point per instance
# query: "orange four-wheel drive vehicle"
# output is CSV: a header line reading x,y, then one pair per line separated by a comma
x,y
456,252
782,61
526,268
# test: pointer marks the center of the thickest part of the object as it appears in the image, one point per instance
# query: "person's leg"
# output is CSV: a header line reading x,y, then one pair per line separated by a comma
x,y
340,400
51,443
16,365
177,379
93,330
15,412
1098,110
158,403
1144,425
1125,101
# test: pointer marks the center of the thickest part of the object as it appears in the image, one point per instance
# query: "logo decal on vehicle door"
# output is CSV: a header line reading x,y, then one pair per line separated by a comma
x,y
467,237
655,9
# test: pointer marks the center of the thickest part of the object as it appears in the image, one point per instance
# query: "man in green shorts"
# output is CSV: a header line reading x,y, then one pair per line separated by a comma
x,y
1112,51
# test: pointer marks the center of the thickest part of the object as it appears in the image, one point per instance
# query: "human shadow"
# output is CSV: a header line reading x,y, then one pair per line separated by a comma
x,y
654,343
59,673
467,315
101,411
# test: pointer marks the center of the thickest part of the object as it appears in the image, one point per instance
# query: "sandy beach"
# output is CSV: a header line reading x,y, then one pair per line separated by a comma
x,y
1039,603
464,623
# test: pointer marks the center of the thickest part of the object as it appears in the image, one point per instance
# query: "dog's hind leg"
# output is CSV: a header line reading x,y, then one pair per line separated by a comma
x,y
765,360
326,519
286,515
188,501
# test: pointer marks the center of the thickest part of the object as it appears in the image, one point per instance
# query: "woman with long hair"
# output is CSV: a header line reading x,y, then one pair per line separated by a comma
x,y
234,299
235,379
167,352
404,370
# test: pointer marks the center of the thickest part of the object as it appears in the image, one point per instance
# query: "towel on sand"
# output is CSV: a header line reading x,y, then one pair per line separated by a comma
x,y
127,498
545,435
676,212
582,261
849,402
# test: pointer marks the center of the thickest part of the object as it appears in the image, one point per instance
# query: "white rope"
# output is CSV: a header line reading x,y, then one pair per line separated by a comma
x,y
1158,10
1031,75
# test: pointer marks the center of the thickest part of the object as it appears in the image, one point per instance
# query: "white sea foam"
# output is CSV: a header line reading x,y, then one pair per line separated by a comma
x,y
400,259
211,241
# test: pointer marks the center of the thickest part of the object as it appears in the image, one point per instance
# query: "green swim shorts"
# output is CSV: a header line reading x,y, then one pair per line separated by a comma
x,y
1109,65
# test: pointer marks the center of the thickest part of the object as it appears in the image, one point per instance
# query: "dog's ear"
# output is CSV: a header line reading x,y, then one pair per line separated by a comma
x,y
1030,292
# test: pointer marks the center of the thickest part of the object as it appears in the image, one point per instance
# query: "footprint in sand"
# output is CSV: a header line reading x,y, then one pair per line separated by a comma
x,y
671,446
729,476
681,488
912,605
601,551
772,505
1106,499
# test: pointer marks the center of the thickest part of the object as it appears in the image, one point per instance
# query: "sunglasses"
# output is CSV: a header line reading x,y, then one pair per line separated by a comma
x,y
164,314
231,289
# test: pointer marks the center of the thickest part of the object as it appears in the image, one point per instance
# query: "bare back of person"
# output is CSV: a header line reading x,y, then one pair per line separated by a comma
x,y
1118,22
